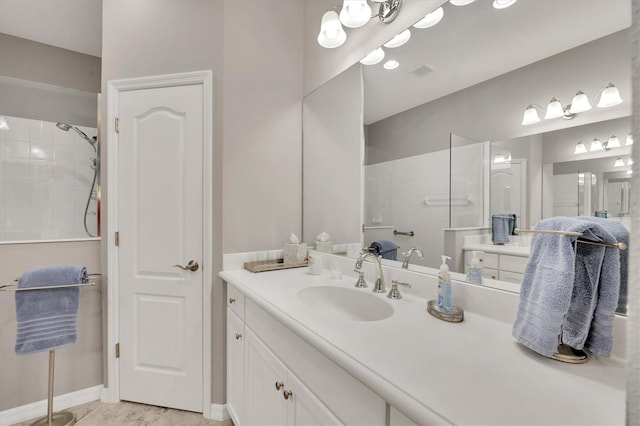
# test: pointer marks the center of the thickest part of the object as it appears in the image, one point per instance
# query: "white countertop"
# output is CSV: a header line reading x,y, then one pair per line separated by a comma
x,y
472,372
498,249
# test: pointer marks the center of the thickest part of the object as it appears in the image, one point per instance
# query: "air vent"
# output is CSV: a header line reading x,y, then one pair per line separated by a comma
x,y
423,69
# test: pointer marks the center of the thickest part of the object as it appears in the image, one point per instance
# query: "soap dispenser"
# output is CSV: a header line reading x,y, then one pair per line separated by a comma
x,y
444,308
474,272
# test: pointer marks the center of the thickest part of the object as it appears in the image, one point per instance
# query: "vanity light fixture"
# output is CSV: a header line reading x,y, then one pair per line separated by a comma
x,y
399,39
628,140
3,124
499,158
609,97
503,4
374,57
629,172
461,2
391,64
580,148
554,109
618,163
353,14
613,142
579,103
630,161
430,19
596,145
531,115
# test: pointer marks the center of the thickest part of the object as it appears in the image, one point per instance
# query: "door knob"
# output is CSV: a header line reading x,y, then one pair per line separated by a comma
x,y
287,394
191,266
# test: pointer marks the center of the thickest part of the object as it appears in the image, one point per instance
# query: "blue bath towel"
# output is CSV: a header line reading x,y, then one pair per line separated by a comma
x,y
46,319
386,248
621,234
502,225
568,295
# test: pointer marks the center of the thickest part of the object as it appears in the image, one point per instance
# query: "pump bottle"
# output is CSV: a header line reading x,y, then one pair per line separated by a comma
x,y
474,273
444,287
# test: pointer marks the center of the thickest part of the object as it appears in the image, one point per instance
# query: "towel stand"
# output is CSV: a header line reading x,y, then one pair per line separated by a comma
x,y
61,418
619,246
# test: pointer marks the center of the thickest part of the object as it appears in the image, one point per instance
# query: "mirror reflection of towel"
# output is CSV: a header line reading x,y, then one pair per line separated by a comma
x,y
386,248
502,225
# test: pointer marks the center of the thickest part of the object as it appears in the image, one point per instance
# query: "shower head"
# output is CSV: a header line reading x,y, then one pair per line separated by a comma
x,y
66,127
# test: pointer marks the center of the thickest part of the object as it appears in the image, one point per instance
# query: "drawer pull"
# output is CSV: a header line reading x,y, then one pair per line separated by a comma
x,y
287,394
232,301
238,336
279,385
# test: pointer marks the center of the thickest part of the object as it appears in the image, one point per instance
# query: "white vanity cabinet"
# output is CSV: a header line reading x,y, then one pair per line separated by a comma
x,y
275,377
499,266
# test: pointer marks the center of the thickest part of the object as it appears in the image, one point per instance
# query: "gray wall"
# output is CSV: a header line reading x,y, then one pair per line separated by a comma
x,y
24,379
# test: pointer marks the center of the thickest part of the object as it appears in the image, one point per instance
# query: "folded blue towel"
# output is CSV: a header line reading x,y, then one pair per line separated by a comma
x,y
621,234
568,294
502,225
46,319
386,248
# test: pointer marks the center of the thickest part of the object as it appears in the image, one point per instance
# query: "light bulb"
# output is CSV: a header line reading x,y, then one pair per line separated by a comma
x,y
373,57
580,103
331,33
609,97
431,19
399,39
613,142
355,13
530,116
596,145
503,4
554,109
580,148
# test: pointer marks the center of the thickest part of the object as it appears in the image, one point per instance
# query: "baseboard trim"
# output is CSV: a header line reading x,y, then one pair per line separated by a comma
x,y
60,402
218,412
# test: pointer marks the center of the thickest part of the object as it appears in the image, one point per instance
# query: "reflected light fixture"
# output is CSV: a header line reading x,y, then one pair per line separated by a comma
x,y
580,148
331,33
596,145
373,57
629,172
391,64
3,124
399,39
618,163
461,2
609,97
580,103
629,161
355,13
503,4
499,158
430,19
530,116
613,142
628,140
554,109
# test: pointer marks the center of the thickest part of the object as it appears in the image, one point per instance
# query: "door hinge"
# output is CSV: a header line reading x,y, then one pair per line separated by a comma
x,y
117,238
117,125
117,350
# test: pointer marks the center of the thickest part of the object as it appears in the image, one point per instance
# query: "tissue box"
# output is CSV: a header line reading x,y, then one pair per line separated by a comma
x,y
294,253
324,246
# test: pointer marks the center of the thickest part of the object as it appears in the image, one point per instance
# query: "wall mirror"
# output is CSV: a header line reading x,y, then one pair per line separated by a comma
x,y
49,157
472,75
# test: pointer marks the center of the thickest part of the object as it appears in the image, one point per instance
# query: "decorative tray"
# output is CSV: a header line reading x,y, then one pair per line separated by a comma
x,y
272,265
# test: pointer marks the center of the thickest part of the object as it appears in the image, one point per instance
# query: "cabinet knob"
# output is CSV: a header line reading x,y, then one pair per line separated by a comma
x,y
279,385
232,301
238,336
287,394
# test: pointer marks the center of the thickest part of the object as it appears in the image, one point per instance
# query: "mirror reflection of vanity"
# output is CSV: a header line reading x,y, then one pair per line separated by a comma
x,y
449,87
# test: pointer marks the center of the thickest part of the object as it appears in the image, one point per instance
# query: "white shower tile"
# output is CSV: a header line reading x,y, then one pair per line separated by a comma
x,y
41,151
14,148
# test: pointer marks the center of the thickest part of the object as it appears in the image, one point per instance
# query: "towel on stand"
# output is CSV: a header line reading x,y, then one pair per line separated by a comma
x,y
386,248
46,319
502,225
569,292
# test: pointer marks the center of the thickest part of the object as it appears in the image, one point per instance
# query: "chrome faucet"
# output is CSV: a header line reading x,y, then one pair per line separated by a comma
x,y
407,256
379,286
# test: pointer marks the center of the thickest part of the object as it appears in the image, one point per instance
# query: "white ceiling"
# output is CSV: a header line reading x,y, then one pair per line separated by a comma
x,y
476,42
70,24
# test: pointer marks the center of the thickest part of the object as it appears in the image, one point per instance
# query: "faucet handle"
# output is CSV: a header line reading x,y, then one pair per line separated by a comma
x,y
394,293
361,282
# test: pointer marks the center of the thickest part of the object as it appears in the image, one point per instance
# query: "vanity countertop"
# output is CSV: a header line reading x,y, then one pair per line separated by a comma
x,y
508,249
437,372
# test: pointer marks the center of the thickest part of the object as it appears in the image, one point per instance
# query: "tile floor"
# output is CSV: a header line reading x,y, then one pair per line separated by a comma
x,y
128,413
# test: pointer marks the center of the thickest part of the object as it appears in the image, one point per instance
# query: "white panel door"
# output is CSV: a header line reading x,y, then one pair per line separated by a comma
x,y
160,225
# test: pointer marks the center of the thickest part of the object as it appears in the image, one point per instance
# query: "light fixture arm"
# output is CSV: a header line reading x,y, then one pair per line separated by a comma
x,y
388,10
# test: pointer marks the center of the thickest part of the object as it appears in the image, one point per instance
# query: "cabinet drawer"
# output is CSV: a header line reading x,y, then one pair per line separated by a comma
x,y
235,301
511,277
490,273
488,260
513,263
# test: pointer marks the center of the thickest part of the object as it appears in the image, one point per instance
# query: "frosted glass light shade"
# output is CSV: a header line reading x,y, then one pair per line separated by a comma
x,y
3,124
629,172
399,39
618,163
461,2
554,109
629,140
331,33
503,4
373,57
580,148
431,19
630,161
530,116
596,145
613,142
355,13
391,65
580,103
609,97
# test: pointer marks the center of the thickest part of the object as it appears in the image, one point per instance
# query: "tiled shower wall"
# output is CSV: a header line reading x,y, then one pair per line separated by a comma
x,y
45,180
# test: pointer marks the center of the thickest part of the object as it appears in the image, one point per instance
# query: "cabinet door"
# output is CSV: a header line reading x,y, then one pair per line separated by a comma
x,y
264,403
303,406
235,367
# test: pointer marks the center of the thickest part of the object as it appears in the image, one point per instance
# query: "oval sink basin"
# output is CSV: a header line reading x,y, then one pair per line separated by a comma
x,y
345,303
